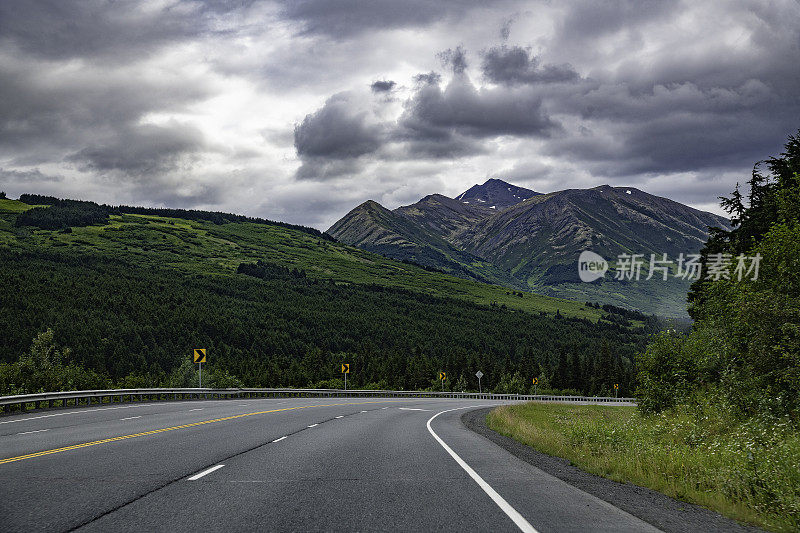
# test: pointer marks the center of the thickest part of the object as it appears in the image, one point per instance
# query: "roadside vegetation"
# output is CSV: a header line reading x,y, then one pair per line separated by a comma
x,y
718,418
703,454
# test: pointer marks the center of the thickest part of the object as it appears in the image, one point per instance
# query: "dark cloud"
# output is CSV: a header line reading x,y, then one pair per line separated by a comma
x,y
505,29
382,86
454,59
679,127
62,29
588,20
515,65
27,176
143,150
338,130
480,113
428,78
322,169
345,18
40,119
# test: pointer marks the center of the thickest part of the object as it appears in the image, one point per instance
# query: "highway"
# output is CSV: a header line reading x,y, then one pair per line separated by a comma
x,y
300,464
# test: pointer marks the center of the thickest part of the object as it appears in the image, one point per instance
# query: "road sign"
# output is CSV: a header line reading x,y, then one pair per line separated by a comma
x,y
200,358
535,381
616,386
442,376
345,371
479,374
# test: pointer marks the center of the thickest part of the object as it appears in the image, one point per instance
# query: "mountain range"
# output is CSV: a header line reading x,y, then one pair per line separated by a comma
x,y
503,234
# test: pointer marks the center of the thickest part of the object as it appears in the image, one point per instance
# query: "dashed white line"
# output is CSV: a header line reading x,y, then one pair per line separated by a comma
x,y
412,409
512,513
130,418
75,412
197,409
204,472
363,411
280,439
35,431
313,425
340,416
382,408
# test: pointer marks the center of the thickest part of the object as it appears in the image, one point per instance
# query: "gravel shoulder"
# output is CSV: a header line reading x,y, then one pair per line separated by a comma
x,y
659,510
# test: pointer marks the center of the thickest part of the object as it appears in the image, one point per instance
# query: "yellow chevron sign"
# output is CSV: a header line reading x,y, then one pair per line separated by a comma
x,y
345,368
442,376
199,355
535,381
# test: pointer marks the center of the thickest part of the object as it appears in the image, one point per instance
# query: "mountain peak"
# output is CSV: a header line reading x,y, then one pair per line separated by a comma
x,y
495,194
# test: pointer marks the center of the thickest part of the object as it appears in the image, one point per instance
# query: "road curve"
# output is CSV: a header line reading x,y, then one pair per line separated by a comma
x,y
279,465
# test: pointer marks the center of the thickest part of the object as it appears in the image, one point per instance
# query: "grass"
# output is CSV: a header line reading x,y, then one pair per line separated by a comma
x,y
197,247
744,470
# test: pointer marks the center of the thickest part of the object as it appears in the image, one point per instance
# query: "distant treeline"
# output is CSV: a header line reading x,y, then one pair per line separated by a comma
x,y
63,213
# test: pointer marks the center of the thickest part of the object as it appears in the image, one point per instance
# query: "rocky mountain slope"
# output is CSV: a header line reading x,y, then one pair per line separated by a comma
x,y
535,242
495,194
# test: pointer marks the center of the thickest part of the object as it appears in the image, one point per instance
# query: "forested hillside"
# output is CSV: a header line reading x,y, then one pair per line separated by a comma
x,y
744,351
127,297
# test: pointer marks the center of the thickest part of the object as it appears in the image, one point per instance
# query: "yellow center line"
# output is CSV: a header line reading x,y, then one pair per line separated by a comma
x,y
173,428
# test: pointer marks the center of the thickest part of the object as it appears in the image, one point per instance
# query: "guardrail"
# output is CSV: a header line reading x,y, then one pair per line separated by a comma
x,y
77,398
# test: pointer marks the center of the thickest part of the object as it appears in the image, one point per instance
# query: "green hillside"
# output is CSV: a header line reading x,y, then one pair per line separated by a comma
x,y
115,298
204,247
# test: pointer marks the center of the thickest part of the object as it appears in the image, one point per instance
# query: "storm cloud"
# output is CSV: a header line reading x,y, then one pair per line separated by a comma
x,y
514,65
145,149
338,130
382,86
298,110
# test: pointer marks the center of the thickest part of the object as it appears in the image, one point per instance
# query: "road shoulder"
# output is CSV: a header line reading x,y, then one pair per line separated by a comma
x,y
659,510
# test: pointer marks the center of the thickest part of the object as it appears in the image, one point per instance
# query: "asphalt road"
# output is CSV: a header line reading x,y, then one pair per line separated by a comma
x,y
279,465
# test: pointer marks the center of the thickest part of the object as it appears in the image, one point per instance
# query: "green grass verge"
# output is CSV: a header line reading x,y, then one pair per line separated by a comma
x,y
744,470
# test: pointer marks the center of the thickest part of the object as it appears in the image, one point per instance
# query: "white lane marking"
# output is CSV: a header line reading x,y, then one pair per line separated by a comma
x,y
512,513
198,409
313,425
382,408
340,416
75,413
280,439
363,411
412,409
35,431
204,472
130,418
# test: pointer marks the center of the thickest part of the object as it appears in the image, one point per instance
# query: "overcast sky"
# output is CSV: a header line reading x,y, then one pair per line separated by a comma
x,y
300,110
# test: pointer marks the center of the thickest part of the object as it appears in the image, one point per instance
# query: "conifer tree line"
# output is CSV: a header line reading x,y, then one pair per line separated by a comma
x,y
743,353
57,213
119,324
